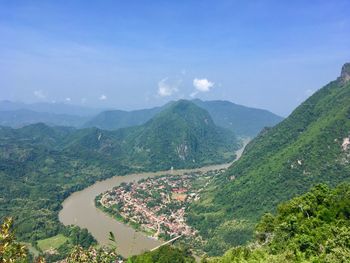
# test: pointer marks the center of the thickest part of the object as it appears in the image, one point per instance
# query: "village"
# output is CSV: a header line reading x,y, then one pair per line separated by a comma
x,y
158,204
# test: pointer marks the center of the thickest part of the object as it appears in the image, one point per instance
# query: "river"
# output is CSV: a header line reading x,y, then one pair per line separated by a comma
x,y
79,209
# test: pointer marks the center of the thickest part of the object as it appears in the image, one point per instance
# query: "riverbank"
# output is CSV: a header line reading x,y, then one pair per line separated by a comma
x,y
112,213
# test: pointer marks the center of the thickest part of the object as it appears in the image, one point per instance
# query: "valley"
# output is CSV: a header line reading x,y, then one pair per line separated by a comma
x,y
129,183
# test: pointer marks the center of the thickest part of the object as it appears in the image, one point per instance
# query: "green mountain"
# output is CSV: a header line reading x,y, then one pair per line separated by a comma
x,y
243,121
182,135
311,146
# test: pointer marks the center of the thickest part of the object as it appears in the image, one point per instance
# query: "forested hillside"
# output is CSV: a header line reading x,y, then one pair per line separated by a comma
x,y
36,176
311,146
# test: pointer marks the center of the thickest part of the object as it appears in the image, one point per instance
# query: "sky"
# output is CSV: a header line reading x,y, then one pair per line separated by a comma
x,y
140,54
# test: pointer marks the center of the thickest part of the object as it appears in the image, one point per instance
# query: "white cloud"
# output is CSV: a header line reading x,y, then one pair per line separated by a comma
x,y
166,89
68,99
103,97
39,94
202,85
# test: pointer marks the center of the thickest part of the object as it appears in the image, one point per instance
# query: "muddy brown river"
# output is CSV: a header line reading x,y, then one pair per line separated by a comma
x,y
79,209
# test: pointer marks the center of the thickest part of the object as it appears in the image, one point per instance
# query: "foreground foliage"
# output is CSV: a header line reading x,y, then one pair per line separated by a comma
x,y
92,255
314,227
165,254
10,250
13,251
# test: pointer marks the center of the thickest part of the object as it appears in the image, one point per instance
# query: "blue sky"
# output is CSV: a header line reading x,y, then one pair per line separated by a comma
x,y
135,54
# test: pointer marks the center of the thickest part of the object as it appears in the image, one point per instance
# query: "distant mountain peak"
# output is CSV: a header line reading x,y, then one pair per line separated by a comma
x,y
345,73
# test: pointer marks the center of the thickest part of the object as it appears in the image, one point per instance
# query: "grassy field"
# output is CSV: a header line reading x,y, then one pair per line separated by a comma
x,y
52,242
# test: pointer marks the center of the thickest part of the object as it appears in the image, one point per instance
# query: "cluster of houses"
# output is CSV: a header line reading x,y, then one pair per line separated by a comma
x,y
157,204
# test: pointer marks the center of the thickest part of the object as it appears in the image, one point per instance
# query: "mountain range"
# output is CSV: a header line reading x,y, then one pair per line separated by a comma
x,y
243,121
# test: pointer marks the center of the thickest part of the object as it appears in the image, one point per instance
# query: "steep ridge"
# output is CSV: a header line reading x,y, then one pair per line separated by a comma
x,y
311,146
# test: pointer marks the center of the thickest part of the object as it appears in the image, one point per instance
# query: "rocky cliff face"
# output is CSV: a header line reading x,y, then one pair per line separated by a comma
x,y
345,73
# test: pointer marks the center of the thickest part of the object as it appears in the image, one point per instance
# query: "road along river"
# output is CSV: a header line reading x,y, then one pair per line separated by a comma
x,y
79,209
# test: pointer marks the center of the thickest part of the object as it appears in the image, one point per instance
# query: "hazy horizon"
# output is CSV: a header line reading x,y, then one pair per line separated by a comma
x,y
96,109
262,54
